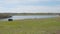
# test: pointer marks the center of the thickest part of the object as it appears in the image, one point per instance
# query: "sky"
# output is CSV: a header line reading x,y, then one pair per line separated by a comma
x,y
29,6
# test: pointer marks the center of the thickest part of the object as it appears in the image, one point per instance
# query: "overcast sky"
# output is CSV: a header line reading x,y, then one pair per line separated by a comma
x,y
30,6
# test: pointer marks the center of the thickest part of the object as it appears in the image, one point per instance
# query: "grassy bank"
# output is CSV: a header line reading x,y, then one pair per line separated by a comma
x,y
31,26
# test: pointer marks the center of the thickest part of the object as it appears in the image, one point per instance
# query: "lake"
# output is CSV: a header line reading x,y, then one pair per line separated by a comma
x,y
29,17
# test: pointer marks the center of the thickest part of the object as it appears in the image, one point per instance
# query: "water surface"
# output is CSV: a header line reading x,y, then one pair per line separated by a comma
x,y
30,17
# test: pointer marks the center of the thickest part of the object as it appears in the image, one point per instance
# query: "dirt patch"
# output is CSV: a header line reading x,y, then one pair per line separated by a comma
x,y
58,32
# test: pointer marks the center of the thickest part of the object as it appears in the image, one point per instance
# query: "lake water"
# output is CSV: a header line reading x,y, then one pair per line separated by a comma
x,y
30,17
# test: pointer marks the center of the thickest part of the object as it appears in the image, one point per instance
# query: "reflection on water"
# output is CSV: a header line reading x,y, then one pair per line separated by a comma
x,y
29,17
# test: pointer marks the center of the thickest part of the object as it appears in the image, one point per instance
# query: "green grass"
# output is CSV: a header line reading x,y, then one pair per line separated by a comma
x,y
30,26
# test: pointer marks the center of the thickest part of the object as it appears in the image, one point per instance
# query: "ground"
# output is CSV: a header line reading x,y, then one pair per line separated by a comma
x,y
31,26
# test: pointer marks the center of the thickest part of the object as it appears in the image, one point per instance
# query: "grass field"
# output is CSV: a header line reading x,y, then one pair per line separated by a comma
x,y
31,26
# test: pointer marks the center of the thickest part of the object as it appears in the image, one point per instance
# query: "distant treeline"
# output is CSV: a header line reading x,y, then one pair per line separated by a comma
x,y
30,13
4,15
38,13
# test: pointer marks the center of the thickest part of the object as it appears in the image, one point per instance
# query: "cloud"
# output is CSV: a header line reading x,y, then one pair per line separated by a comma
x,y
27,1
32,9
29,6
31,2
